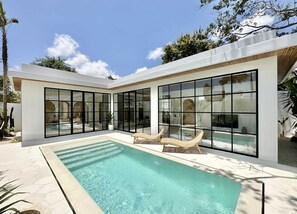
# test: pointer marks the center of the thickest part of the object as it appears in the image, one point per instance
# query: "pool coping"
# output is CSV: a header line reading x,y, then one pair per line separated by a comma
x,y
250,199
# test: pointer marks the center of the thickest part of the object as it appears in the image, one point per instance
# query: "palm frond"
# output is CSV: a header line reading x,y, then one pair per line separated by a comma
x,y
7,192
5,208
2,15
2,11
3,197
5,186
12,20
11,195
13,209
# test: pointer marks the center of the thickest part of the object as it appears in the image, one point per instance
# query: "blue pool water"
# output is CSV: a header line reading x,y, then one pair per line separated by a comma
x,y
122,179
239,139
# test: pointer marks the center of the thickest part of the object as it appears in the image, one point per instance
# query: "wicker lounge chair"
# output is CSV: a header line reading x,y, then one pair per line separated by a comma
x,y
183,144
156,137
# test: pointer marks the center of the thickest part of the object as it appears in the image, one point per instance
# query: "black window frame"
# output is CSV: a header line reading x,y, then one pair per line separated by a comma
x,y
104,127
211,95
137,127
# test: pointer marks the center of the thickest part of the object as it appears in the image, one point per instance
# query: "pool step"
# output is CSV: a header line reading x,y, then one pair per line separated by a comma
x,y
90,160
81,148
90,155
85,150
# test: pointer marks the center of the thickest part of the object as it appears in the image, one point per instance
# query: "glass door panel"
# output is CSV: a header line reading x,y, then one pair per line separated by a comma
x,y
126,112
77,114
89,116
132,111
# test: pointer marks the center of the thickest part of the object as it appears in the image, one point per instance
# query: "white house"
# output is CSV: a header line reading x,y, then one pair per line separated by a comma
x,y
230,92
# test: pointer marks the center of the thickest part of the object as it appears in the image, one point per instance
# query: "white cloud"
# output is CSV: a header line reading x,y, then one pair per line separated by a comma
x,y
155,54
257,20
78,60
141,70
96,69
64,46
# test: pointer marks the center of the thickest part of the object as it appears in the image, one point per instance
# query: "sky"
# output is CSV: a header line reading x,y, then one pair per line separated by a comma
x,y
100,37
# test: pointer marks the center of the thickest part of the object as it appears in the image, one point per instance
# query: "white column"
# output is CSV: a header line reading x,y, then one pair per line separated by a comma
x,y
267,110
154,109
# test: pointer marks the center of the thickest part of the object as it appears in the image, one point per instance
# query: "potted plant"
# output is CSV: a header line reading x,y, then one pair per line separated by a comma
x,y
282,123
109,120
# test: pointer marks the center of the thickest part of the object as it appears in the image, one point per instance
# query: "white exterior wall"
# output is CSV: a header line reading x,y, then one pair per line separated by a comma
x,y
267,100
33,108
17,115
268,110
33,102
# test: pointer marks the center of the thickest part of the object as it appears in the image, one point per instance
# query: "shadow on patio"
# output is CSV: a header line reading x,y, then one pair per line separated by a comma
x,y
287,152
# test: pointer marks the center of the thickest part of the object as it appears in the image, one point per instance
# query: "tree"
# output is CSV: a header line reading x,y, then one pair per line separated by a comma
x,y
52,62
240,18
4,23
289,95
12,97
187,45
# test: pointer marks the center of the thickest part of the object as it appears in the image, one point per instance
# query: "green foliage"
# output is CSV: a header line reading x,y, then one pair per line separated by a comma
x,y
52,62
4,23
12,96
109,117
187,45
7,192
4,132
231,19
283,121
16,140
290,99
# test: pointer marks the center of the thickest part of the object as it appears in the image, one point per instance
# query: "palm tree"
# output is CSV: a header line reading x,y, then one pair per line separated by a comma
x,y
4,22
288,95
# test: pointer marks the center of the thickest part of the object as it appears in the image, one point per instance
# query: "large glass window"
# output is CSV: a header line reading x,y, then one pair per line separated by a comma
x,y
68,112
132,111
225,107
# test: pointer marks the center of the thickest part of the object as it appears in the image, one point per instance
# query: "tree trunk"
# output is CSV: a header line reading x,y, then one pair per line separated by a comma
x,y
5,68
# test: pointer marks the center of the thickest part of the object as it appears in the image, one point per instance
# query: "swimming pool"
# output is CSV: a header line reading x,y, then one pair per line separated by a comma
x,y
121,179
239,139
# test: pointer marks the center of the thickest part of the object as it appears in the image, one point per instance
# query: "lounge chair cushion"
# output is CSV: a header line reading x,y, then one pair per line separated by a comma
x,y
156,137
183,144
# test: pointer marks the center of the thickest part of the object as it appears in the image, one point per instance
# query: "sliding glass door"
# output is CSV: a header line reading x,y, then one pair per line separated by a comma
x,y
132,111
224,107
129,111
70,112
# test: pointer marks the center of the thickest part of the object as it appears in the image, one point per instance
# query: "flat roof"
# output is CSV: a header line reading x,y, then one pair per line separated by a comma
x,y
259,46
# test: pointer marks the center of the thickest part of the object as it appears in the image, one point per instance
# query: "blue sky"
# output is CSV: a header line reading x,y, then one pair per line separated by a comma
x,y
100,36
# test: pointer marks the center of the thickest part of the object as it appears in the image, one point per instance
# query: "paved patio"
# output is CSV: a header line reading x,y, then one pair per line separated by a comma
x,y
29,166
287,152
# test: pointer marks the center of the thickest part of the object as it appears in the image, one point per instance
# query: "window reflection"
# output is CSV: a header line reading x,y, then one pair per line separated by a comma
x,y
203,87
221,85
225,107
68,112
174,90
244,102
133,110
188,89
244,82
